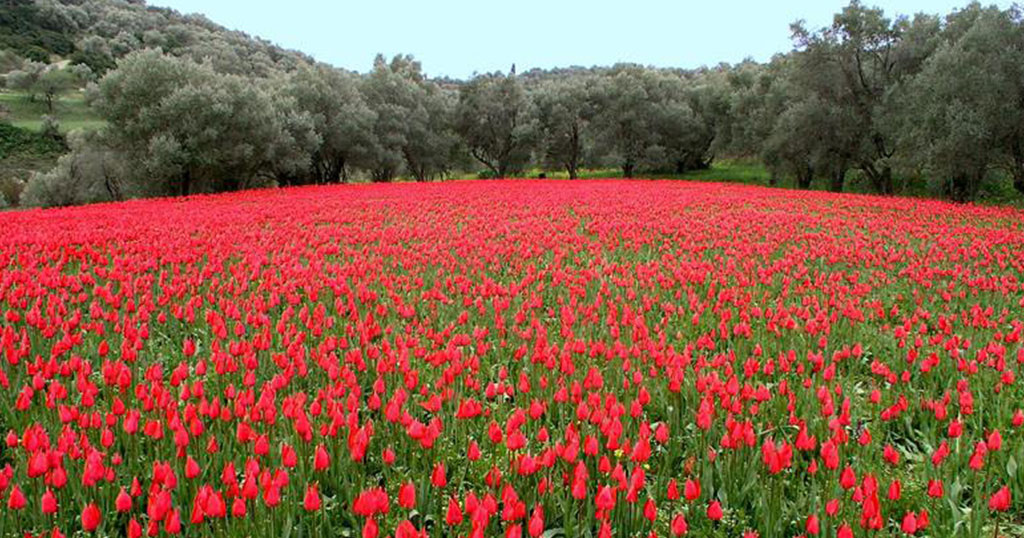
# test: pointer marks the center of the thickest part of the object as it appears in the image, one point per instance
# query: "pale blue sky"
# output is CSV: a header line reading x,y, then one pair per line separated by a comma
x,y
458,37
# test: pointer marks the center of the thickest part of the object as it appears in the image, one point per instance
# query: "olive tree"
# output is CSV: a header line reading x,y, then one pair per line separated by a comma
x,y
495,119
564,109
90,172
626,115
854,68
413,127
965,111
186,128
341,118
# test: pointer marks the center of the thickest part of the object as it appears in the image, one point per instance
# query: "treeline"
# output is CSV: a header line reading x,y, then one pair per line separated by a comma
x,y
870,102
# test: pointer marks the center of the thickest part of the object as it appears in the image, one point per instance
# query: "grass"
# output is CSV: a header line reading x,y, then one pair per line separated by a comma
x,y
22,152
996,190
724,170
71,110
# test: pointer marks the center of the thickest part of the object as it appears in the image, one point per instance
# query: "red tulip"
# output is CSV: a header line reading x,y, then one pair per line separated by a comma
x,y
679,526
909,524
812,526
311,502
91,517
191,468
321,460
439,477
370,529
16,499
238,508
1000,500
407,495
691,489
134,528
605,499
454,514
650,510
715,511
173,522
49,502
536,525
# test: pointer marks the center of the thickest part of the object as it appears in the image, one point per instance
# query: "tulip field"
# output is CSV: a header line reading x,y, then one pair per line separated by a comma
x,y
511,359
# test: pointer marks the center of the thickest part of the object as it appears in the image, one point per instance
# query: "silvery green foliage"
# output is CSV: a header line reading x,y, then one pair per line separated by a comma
x,y
657,121
497,123
89,172
564,110
964,114
25,78
850,75
413,130
341,120
625,116
113,29
186,128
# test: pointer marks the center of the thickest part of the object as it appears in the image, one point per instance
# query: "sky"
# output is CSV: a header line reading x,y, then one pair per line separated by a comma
x,y
457,38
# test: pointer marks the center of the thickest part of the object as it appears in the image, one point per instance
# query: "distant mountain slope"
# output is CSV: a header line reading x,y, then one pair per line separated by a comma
x,y
98,32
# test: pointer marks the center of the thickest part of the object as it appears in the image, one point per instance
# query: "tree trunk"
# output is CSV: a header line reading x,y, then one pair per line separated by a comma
x,y
628,168
186,183
838,179
1017,166
881,180
804,177
887,183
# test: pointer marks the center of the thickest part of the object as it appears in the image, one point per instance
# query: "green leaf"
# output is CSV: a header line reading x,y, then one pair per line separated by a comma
x,y
286,532
552,533
1011,467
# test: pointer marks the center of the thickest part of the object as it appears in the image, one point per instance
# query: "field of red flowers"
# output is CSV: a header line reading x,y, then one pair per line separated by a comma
x,y
513,359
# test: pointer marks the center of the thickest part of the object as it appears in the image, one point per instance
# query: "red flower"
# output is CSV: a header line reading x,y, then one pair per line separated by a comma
x,y
935,488
311,502
16,499
407,495
91,517
812,526
321,460
715,511
909,524
605,499
536,525
439,477
49,502
134,528
650,510
679,526
454,514
1000,500
370,529
691,489
173,522
238,508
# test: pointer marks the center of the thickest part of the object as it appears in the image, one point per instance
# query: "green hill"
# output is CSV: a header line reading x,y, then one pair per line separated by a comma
x,y
23,151
70,110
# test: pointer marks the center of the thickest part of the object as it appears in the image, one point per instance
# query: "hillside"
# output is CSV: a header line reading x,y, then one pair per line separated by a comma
x,y
98,32
71,111
38,36
23,151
